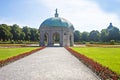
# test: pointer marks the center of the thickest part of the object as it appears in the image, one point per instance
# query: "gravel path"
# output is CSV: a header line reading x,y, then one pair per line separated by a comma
x,y
51,63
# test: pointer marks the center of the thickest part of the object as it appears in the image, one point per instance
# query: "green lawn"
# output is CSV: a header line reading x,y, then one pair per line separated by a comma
x,y
109,57
8,52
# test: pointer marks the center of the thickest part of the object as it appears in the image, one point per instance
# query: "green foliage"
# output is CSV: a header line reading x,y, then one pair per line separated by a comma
x,y
94,36
16,34
19,42
12,42
108,57
22,36
114,34
27,32
9,52
15,30
81,42
106,35
34,34
5,33
84,36
77,36
112,42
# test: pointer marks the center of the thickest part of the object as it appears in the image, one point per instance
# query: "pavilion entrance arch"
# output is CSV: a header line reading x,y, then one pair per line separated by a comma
x,y
56,39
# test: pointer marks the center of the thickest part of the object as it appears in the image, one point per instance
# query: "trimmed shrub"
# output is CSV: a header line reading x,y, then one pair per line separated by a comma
x,y
112,42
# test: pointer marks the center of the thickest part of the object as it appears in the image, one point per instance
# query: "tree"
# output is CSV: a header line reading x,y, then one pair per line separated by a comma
x,y
34,34
94,36
27,32
114,34
22,36
16,31
104,35
77,36
5,33
84,36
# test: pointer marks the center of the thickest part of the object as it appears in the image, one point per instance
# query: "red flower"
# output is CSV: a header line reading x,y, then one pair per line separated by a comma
x,y
14,58
103,72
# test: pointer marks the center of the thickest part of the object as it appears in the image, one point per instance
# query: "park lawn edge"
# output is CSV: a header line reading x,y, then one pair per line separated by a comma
x,y
14,51
17,57
103,72
96,53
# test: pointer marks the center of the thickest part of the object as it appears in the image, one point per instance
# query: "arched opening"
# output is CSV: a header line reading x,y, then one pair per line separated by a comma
x,y
56,39
46,39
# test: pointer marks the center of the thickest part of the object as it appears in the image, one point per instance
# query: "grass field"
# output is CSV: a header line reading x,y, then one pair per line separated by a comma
x,y
8,52
109,57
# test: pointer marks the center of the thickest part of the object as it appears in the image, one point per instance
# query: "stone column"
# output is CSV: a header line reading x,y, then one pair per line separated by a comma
x,y
68,39
50,40
41,39
61,38
72,39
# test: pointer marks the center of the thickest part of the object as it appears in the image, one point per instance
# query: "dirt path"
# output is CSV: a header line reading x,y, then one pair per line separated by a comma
x,y
52,63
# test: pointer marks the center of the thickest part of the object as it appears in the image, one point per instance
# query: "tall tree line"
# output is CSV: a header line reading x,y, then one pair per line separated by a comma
x,y
15,32
106,35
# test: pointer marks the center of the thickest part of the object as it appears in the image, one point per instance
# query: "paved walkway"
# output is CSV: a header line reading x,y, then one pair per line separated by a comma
x,y
52,63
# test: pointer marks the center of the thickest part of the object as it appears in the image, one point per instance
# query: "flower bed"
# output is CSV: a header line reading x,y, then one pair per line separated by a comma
x,y
12,45
103,72
14,58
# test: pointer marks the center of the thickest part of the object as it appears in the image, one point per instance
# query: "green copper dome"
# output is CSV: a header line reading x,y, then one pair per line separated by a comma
x,y
56,22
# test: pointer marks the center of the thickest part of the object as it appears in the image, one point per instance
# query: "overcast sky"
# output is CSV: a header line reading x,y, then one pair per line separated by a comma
x,y
85,15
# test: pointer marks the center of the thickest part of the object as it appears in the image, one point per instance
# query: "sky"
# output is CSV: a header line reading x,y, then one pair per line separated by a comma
x,y
85,15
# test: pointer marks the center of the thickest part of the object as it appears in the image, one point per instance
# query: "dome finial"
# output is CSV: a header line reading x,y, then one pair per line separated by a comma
x,y
56,14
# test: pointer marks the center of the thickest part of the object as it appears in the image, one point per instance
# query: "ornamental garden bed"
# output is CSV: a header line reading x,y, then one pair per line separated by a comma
x,y
12,45
104,72
8,55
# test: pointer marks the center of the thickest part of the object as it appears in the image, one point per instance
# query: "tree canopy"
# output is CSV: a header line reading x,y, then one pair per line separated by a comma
x,y
106,35
77,36
15,32
25,33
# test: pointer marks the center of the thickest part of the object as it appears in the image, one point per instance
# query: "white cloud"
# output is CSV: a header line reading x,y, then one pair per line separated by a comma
x,y
11,21
7,21
85,15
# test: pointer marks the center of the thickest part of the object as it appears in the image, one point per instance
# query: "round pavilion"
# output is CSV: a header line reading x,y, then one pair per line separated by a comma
x,y
56,31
